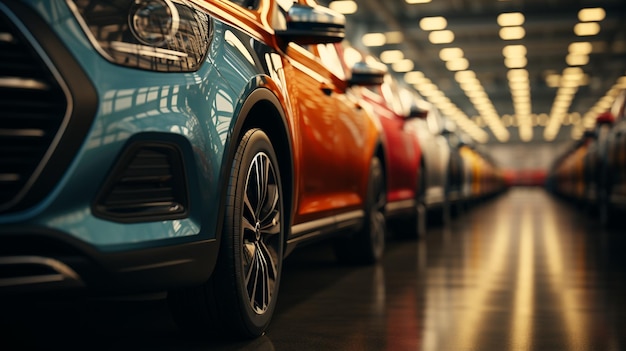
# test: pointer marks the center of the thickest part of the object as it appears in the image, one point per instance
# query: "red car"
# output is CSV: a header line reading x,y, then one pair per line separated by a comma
x,y
402,153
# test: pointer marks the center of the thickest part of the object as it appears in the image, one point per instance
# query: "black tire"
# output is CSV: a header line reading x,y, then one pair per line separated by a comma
x,y
240,297
606,213
605,209
414,226
367,246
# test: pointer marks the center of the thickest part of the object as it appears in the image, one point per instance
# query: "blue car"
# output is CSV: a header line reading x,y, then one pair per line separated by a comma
x,y
154,146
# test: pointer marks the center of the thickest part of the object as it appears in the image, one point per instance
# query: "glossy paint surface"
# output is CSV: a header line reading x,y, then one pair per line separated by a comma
x,y
521,272
335,140
332,141
132,102
402,149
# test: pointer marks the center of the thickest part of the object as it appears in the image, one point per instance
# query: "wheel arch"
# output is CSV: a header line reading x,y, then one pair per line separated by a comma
x,y
262,109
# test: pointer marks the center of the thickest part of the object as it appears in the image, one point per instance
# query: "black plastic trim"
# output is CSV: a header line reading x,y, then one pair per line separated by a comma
x,y
83,110
175,263
256,96
167,144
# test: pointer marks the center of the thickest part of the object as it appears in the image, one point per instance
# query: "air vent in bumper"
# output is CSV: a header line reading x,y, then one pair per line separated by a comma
x,y
147,184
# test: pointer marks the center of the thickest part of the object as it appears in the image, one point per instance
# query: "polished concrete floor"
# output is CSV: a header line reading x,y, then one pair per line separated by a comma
x,y
523,271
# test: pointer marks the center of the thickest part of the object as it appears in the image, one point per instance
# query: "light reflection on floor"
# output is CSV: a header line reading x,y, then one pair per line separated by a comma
x,y
523,271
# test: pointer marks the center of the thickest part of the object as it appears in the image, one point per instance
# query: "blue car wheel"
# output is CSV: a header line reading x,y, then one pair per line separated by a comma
x,y
240,297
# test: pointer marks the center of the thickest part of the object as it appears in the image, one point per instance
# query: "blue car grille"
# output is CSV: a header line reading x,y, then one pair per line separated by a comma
x,y
33,108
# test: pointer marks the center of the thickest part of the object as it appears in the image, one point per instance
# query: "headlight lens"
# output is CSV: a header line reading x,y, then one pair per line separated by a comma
x,y
157,35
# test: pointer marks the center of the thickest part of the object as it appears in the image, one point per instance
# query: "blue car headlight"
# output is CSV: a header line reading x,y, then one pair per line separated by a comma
x,y
156,35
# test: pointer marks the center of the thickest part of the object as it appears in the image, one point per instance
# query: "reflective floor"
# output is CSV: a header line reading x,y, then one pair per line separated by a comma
x,y
523,271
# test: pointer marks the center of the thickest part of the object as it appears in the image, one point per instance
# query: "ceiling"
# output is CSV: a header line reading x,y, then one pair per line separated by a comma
x,y
547,104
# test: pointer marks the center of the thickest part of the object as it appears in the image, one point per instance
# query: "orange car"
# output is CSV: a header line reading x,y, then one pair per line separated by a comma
x,y
180,146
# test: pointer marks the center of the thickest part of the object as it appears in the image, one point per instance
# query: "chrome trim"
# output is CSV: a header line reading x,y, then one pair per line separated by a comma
x,y
304,231
22,132
349,219
9,177
64,274
146,50
6,37
92,39
299,13
308,227
23,83
400,205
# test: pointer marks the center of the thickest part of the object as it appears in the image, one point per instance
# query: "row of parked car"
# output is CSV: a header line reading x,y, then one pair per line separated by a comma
x,y
592,171
188,147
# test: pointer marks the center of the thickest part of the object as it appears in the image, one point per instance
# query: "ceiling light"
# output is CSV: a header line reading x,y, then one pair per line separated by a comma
x,y
476,93
425,92
395,37
430,87
373,39
470,87
542,119
564,97
414,77
403,66
605,104
439,100
481,102
391,56
553,80
595,14
573,72
515,62
511,19
517,74
567,91
507,120
586,29
519,86
433,23
512,33
526,134
441,37
582,48
584,80
345,7
514,51
459,64
463,76
417,1
448,54
577,60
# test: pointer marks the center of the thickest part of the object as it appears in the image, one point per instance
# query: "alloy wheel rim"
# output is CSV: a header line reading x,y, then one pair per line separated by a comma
x,y
261,224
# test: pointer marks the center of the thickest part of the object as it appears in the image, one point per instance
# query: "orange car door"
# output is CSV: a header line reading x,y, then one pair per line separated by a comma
x,y
317,164
354,130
